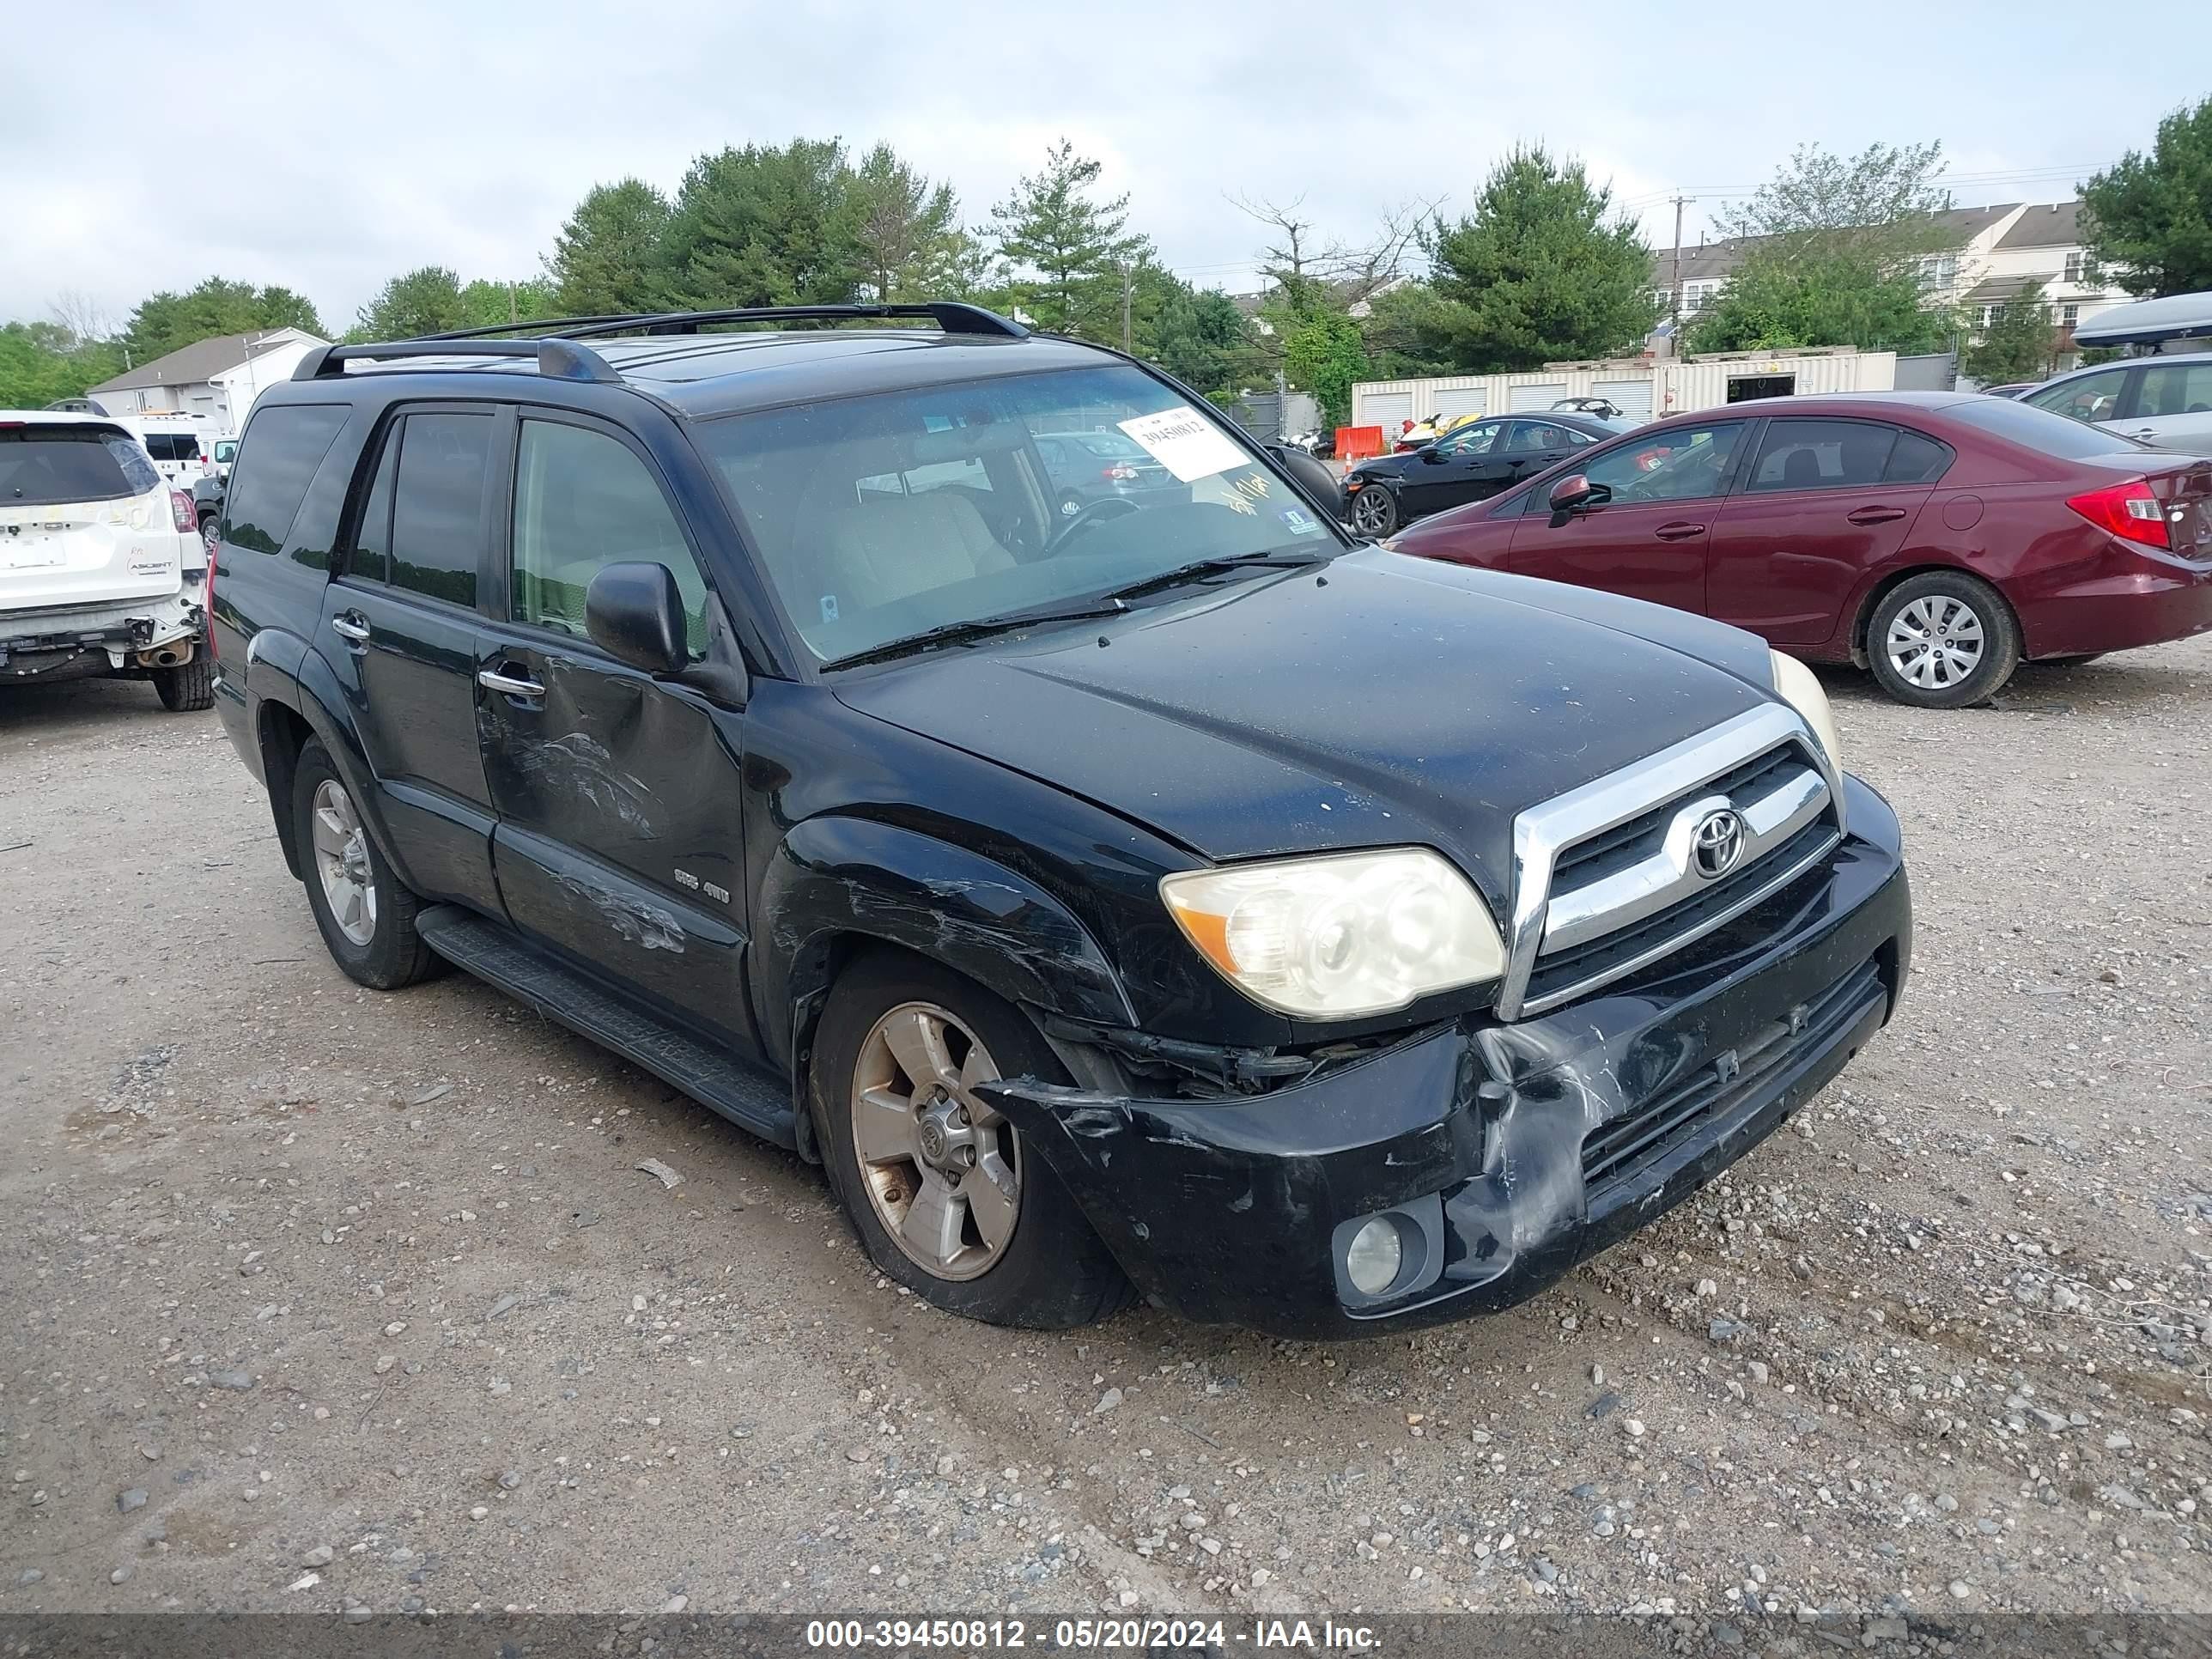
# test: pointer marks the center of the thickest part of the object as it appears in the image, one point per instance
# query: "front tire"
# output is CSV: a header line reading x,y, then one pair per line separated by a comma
x,y
1942,639
366,916
943,1192
188,687
1375,511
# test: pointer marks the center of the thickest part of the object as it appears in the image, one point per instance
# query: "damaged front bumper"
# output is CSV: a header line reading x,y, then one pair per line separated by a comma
x,y
1499,1155
157,633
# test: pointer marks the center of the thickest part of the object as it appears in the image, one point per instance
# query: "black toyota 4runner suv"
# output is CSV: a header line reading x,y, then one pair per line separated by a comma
x,y
1157,893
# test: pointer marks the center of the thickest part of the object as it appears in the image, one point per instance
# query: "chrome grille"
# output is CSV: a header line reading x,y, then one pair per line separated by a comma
x,y
1606,877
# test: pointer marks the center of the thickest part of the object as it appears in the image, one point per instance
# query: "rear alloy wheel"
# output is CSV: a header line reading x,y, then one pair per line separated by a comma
x,y
1942,639
1375,511
366,916
947,1199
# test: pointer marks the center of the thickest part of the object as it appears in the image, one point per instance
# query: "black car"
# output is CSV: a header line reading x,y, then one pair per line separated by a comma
x,y
1466,464
1177,898
1094,466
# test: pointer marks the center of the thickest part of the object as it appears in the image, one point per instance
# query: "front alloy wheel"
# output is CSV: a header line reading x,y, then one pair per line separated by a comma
x,y
946,1197
1375,511
942,1169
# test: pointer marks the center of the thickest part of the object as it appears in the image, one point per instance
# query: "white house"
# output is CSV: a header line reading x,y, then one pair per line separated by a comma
x,y
215,379
2000,250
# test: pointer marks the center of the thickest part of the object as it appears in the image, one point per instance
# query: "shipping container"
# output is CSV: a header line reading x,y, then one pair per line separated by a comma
x,y
1644,390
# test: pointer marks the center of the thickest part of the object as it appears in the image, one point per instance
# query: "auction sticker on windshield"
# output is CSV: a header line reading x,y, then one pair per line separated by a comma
x,y
1186,443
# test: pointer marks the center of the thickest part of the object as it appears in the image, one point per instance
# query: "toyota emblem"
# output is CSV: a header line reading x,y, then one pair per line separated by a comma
x,y
1717,844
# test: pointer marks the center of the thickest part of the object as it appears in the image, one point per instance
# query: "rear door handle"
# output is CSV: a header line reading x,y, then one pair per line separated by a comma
x,y
1874,514
1679,531
351,627
2147,435
513,685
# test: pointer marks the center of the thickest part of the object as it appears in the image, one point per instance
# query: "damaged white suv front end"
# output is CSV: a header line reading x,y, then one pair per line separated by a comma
x,y
101,569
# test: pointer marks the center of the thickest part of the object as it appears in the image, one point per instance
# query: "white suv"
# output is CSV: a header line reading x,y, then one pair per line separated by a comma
x,y
101,567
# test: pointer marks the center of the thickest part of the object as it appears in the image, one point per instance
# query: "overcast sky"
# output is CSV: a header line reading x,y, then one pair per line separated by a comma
x,y
327,148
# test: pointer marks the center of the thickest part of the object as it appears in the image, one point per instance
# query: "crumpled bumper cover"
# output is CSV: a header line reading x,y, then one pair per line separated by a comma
x,y
1601,1116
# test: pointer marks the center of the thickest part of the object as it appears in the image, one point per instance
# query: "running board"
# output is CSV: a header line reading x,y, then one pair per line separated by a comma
x,y
750,1097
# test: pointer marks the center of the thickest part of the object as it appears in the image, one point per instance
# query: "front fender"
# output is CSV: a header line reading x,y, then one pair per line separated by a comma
x,y
833,879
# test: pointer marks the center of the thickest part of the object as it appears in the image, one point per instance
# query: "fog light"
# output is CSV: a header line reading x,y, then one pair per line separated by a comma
x,y
1372,1259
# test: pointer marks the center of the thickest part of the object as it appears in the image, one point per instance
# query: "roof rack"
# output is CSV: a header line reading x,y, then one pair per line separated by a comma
x,y
557,359
953,316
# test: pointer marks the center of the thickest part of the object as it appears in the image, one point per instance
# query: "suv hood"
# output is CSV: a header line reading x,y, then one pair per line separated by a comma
x,y
1394,701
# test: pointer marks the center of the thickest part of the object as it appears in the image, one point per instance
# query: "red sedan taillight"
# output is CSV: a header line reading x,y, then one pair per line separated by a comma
x,y
180,509
2128,510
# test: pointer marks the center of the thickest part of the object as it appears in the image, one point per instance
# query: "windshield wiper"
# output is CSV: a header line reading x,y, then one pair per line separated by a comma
x,y
1280,558
976,627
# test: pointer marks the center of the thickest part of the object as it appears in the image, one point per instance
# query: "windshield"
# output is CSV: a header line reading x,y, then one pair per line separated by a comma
x,y
882,516
53,466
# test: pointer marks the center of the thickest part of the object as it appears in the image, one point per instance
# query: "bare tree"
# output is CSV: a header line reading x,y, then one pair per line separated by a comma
x,y
1308,265
84,316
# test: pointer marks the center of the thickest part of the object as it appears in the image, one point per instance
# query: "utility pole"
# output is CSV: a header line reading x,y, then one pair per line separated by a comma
x,y
1674,281
511,317
1128,293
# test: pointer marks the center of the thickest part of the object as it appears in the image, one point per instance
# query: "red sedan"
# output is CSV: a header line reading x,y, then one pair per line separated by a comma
x,y
1937,537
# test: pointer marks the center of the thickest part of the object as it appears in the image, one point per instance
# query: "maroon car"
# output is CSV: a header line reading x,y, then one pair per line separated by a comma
x,y
1937,537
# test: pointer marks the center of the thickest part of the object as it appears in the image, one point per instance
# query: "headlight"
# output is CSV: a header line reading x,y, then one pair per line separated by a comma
x,y
1339,936
1794,685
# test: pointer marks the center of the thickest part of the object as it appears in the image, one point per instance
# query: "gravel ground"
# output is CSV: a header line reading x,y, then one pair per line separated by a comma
x,y
325,1298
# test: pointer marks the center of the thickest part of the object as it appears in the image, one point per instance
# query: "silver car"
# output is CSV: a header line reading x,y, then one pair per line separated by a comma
x,y
2166,401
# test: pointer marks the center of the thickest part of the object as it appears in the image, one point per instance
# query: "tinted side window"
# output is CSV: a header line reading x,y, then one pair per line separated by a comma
x,y
2175,389
185,446
1530,436
160,446
2086,397
1820,455
1916,459
582,502
1682,463
276,461
372,542
438,506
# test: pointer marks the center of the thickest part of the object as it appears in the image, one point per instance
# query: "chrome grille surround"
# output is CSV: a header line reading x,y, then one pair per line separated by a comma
x,y
1772,771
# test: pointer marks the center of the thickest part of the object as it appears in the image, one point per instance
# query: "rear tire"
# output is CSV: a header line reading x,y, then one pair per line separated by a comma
x,y
188,687
1045,1269
374,941
1942,639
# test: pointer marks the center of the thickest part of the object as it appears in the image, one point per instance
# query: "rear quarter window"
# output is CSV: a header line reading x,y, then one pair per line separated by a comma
x,y
2040,430
278,456
48,465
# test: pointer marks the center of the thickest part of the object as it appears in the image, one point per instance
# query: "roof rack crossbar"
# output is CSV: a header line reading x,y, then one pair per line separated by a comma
x,y
951,316
557,359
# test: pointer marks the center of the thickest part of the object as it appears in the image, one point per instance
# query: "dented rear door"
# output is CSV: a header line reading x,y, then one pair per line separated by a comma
x,y
620,840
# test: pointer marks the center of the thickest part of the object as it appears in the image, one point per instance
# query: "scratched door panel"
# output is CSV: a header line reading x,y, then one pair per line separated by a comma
x,y
620,840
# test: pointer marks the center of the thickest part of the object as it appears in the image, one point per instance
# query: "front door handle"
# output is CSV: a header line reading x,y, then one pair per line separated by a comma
x,y
351,627
1679,530
516,684
1874,514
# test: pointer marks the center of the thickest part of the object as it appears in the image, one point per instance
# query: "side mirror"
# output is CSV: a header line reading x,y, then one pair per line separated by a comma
x,y
1434,455
1574,492
633,613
